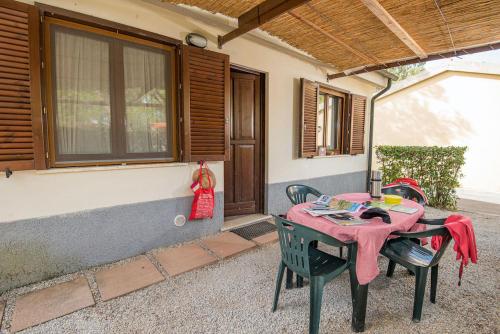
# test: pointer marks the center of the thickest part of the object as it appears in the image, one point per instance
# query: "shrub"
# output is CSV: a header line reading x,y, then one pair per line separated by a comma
x,y
437,169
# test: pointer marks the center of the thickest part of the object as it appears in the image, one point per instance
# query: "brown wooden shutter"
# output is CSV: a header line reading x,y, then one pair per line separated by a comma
x,y
21,134
357,112
206,104
309,115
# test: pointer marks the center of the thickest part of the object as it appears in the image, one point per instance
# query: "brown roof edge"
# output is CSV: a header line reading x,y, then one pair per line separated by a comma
x,y
462,52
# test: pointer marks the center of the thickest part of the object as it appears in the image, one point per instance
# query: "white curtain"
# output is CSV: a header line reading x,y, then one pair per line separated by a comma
x,y
146,99
83,116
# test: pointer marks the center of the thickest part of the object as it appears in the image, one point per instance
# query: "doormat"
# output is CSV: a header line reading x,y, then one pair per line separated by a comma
x,y
255,230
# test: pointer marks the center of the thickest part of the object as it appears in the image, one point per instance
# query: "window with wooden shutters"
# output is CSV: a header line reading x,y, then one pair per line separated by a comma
x,y
206,105
332,120
21,134
309,115
357,124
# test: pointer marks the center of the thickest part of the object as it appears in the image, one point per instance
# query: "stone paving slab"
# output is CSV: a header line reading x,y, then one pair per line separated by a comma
x,y
266,238
227,244
46,304
178,260
125,278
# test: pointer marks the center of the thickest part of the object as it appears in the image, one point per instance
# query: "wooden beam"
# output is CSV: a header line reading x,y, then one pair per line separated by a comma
x,y
257,16
461,52
376,8
334,38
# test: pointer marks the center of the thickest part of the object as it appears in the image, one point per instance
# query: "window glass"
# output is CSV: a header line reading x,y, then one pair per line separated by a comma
x,y
321,121
146,100
333,122
329,121
111,96
82,93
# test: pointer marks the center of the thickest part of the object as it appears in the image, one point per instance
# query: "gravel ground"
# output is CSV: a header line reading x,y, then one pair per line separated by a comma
x,y
235,296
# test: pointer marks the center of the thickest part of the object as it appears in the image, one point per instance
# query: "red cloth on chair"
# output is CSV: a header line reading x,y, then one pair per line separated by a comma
x,y
462,232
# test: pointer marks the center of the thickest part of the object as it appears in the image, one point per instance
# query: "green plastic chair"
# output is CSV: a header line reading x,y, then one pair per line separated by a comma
x,y
298,193
298,255
417,259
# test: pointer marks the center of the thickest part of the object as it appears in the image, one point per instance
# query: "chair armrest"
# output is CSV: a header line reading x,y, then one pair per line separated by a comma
x,y
329,240
436,221
422,234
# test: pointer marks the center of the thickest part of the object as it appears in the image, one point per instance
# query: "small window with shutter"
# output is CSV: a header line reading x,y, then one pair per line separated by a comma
x,y
332,120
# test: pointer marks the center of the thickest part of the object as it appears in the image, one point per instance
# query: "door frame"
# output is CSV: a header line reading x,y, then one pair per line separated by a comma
x,y
261,201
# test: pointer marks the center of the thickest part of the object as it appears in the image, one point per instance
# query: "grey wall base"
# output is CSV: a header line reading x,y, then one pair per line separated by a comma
x,y
278,202
36,249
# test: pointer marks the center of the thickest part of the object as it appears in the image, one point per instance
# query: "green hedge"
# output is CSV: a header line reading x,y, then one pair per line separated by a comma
x,y
437,169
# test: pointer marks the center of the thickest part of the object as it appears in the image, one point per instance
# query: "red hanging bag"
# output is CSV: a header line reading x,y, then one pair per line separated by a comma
x,y
203,202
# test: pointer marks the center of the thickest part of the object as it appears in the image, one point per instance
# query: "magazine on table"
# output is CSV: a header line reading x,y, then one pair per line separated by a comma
x,y
318,212
404,209
353,221
378,204
396,208
327,204
323,200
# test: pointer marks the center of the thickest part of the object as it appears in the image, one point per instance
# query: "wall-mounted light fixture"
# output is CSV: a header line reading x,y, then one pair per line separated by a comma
x,y
197,40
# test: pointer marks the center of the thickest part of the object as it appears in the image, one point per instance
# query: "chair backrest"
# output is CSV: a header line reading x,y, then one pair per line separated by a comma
x,y
295,242
406,192
297,193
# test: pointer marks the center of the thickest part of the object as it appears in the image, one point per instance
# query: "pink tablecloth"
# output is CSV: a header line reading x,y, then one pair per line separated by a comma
x,y
370,237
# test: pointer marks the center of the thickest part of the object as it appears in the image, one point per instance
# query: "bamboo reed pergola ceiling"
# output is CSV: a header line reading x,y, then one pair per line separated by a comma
x,y
358,36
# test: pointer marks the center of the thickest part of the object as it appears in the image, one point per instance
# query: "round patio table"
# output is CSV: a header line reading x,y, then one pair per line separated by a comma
x,y
370,239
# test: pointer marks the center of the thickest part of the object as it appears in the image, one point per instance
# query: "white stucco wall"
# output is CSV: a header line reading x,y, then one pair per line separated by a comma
x,y
453,108
31,194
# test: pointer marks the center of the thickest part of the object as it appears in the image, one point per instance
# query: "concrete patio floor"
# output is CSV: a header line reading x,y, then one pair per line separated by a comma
x,y
234,295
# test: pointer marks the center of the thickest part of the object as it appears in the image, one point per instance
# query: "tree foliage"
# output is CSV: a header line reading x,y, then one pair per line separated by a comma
x,y
406,71
437,169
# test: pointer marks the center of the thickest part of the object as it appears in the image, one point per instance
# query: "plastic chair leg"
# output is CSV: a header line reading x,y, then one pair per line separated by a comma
x,y
434,280
279,281
421,280
289,279
316,291
340,252
390,268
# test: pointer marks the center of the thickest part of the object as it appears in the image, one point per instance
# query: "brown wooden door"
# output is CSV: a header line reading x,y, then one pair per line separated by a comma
x,y
242,173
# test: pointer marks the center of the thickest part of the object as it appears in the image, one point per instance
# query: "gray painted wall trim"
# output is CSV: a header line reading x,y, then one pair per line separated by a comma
x,y
36,249
278,203
32,250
